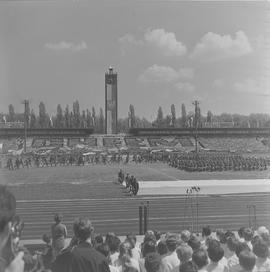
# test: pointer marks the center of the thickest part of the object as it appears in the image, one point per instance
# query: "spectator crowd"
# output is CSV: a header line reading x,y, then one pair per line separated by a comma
x,y
218,251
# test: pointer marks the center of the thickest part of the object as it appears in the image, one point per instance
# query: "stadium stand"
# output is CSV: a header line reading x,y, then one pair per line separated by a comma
x,y
91,141
136,142
111,142
241,144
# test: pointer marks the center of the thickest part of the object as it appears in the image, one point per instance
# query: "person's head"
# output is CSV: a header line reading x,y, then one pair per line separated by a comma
x,y
98,239
131,237
152,262
200,258
240,232
162,248
240,247
248,234
149,235
171,243
255,239
46,238
83,228
261,230
189,266
184,253
194,242
125,249
113,243
185,236
261,249
232,243
206,231
157,234
7,208
109,236
148,247
247,260
215,251
220,233
266,238
58,217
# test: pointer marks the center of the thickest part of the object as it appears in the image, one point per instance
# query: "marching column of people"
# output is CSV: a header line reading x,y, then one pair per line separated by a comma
x,y
218,161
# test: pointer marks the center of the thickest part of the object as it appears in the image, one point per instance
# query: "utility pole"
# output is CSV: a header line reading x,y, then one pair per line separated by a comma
x,y
26,106
196,104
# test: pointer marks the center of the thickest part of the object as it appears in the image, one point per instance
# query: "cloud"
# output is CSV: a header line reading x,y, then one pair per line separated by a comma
x,y
66,46
218,83
165,74
185,86
127,41
166,42
214,47
252,86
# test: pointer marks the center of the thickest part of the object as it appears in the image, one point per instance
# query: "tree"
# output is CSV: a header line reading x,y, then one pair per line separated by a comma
x,y
76,114
168,121
160,117
132,118
67,117
173,117
59,120
43,118
184,115
33,119
209,117
101,121
94,123
89,121
83,119
11,113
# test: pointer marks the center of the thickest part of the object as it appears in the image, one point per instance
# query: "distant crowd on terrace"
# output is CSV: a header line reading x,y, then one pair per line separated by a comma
x,y
219,251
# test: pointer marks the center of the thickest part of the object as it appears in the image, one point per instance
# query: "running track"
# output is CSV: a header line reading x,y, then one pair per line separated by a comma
x,y
120,215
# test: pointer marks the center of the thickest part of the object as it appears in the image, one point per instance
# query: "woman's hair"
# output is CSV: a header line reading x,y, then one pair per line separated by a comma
x,y
82,228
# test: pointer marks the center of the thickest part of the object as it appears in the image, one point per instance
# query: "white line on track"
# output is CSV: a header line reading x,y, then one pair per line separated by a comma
x,y
141,197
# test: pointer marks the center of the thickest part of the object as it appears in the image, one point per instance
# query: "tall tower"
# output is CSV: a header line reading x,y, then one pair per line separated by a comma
x,y
111,102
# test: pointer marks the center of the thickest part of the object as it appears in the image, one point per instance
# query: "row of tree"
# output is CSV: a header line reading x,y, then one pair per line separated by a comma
x,y
75,118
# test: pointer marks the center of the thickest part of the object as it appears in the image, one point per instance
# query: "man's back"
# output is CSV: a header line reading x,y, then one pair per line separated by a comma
x,y
83,258
58,231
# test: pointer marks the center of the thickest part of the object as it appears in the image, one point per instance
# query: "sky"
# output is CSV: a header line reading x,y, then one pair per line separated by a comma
x,y
165,52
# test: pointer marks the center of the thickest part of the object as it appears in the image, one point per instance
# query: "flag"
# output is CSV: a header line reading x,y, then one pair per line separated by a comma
x,y
4,118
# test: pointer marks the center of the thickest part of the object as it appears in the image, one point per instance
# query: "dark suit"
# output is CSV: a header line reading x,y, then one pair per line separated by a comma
x,y
82,258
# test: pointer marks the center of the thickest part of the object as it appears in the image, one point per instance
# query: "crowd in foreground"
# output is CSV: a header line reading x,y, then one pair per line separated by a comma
x,y
219,251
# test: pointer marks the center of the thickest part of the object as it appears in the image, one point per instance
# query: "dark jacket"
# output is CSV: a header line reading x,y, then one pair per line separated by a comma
x,y
82,258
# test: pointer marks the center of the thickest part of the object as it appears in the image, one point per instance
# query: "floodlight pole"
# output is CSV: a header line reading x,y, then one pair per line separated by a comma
x,y
26,105
196,104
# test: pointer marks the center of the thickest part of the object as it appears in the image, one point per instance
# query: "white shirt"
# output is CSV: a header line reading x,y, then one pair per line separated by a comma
x,y
170,261
262,265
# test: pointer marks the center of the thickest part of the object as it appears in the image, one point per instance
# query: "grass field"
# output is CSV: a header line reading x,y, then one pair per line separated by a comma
x,y
90,180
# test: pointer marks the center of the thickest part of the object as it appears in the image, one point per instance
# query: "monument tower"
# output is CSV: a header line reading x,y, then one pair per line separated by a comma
x,y
110,102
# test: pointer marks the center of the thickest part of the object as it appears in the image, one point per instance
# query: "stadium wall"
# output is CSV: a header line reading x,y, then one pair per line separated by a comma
x,y
215,132
46,132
